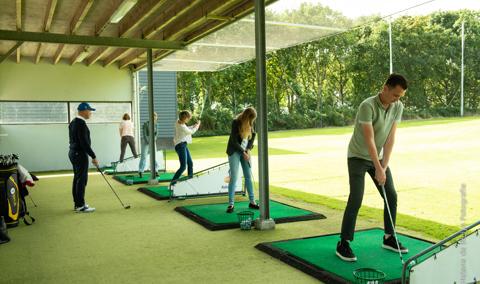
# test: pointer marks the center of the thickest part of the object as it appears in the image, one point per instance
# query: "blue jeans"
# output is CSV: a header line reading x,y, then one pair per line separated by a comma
x,y
185,159
233,161
143,157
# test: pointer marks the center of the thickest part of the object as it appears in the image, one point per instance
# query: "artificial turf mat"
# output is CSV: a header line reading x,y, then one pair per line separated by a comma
x,y
162,193
158,192
214,216
316,255
108,171
145,177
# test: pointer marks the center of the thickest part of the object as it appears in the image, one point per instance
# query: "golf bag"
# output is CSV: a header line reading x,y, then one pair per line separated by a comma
x,y
12,197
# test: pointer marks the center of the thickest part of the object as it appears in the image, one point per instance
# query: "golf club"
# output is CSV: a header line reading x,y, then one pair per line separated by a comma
x,y
32,200
256,190
127,207
391,220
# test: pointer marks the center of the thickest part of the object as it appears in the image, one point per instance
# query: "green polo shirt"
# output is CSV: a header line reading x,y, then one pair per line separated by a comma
x,y
371,111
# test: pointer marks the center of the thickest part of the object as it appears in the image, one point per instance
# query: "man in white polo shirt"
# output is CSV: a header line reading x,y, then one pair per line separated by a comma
x,y
369,152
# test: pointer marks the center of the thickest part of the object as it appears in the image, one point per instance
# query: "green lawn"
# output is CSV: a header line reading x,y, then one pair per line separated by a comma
x,y
430,161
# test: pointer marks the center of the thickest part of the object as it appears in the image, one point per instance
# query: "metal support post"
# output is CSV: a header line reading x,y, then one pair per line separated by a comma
x,y
463,49
390,29
153,173
264,222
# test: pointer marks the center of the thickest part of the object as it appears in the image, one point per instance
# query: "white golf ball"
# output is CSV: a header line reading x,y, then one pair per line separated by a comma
x,y
412,263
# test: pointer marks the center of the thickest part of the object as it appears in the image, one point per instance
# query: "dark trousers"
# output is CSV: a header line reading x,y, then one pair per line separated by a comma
x,y
356,171
79,160
123,146
185,160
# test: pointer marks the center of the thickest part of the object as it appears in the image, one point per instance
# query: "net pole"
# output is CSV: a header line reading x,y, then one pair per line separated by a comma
x,y
463,50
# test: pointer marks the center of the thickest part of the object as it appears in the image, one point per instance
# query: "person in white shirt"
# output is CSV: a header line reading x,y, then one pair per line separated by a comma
x,y
182,136
126,133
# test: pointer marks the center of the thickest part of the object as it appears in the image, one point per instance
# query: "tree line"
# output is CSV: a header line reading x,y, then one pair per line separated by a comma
x,y
322,83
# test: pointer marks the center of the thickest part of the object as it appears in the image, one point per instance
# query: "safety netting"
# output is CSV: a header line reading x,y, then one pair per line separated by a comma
x,y
290,23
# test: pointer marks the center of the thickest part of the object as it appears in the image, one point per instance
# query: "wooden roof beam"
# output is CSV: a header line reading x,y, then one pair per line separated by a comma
x,y
170,15
126,25
79,15
196,19
77,19
18,9
98,27
51,5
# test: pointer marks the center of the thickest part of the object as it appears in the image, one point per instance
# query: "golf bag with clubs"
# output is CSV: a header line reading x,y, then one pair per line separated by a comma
x,y
12,197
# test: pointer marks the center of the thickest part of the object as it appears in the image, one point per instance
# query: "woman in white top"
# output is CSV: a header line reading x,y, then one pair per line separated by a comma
x,y
182,136
126,132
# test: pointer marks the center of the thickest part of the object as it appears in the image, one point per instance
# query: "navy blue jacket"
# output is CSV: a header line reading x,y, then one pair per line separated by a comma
x,y
80,137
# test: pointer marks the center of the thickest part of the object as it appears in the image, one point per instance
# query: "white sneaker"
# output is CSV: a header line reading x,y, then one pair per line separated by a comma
x,y
84,208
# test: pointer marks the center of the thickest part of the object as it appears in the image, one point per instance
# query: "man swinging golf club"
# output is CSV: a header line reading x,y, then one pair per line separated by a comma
x,y
369,151
80,149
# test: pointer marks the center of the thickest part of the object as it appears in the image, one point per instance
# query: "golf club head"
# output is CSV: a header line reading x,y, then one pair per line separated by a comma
x,y
128,207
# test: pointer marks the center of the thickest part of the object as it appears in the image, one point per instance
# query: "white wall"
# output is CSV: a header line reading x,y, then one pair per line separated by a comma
x,y
45,147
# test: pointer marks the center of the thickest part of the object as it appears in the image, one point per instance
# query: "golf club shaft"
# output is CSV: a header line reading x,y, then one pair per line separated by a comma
x,y
110,186
32,200
251,173
391,220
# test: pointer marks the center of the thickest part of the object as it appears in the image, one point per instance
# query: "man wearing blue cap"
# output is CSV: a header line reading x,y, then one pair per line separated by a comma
x,y
80,149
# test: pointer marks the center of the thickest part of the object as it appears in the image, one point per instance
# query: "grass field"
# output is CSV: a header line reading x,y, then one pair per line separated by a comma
x,y
430,161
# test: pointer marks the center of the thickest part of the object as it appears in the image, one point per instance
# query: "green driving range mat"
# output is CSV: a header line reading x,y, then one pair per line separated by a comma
x,y
316,255
214,216
145,177
108,171
158,192
161,193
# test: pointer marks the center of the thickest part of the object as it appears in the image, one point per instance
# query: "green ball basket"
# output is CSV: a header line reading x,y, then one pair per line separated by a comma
x,y
246,219
129,180
369,276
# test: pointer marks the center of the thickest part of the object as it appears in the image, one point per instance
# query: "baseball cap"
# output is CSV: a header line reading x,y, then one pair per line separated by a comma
x,y
84,106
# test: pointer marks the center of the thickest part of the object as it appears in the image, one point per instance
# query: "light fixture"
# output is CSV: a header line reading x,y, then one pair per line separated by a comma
x,y
122,10
82,56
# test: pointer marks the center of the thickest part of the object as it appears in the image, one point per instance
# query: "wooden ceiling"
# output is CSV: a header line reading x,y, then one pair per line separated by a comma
x,y
49,30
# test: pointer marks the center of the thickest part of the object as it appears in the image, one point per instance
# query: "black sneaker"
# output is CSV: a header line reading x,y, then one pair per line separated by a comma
x,y
391,244
345,252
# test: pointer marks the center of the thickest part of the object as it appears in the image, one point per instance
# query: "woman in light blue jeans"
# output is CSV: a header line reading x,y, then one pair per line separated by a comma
x,y
238,150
